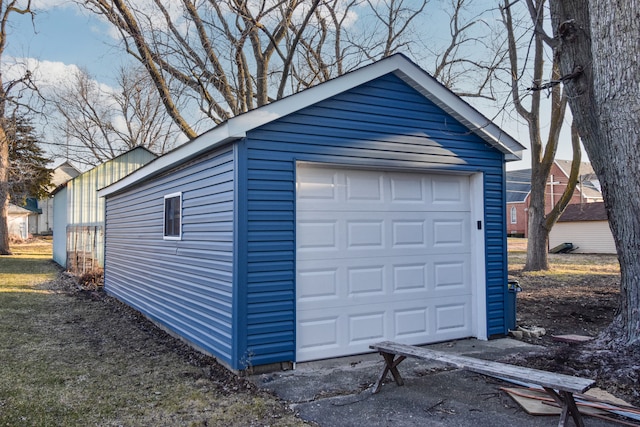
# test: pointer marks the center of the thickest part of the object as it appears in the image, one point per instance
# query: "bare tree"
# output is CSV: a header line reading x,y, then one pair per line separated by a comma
x,y
98,122
7,99
596,46
469,62
224,53
543,149
230,56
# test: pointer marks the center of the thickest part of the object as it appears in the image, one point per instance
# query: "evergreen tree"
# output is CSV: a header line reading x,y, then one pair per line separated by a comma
x,y
28,172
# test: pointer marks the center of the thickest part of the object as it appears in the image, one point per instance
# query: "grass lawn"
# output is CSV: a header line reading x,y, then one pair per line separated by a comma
x,y
562,264
79,359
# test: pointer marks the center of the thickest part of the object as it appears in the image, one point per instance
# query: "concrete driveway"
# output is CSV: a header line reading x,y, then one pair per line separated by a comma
x,y
337,392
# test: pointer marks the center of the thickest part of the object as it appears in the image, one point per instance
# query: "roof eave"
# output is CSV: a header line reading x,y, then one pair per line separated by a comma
x,y
475,121
217,136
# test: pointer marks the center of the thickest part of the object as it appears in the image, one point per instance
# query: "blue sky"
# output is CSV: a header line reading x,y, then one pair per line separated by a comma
x,y
70,36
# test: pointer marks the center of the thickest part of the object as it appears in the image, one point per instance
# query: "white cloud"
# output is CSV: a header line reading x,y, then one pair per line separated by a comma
x,y
44,73
50,4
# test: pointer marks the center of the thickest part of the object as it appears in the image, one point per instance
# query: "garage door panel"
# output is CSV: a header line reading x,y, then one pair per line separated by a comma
x,y
321,333
314,185
364,186
450,233
411,323
317,284
366,234
367,327
409,190
350,281
380,255
314,235
450,191
318,333
366,281
452,316
363,190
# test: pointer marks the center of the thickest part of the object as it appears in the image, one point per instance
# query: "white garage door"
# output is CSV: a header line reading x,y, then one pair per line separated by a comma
x,y
380,255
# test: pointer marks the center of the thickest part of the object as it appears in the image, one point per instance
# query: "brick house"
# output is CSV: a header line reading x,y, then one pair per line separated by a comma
x,y
519,189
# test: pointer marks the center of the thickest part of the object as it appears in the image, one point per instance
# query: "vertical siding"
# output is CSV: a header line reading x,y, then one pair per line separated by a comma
x,y
384,124
86,210
60,227
185,285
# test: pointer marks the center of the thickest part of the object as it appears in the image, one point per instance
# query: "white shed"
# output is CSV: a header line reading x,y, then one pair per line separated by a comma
x,y
586,226
18,221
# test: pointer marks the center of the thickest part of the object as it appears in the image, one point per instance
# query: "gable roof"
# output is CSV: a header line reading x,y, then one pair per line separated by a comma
x,y
565,166
63,173
584,212
519,181
17,211
518,185
586,178
398,64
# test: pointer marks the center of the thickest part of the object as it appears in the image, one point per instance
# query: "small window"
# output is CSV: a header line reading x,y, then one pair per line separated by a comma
x,y
173,216
514,215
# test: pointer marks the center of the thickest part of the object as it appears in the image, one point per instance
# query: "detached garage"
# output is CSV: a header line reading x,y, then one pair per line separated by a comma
x,y
369,207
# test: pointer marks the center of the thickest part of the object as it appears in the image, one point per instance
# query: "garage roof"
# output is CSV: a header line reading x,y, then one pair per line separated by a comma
x,y
398,64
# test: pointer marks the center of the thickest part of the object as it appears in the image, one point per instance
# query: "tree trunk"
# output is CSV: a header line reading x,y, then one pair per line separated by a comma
x,y
601,38
538,237
4,193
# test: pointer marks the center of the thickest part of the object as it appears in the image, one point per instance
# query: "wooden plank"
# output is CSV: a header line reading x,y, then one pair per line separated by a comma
x,y
571,339
495,369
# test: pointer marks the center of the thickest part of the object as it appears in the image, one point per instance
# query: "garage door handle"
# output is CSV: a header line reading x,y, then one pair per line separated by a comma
x,y
479,225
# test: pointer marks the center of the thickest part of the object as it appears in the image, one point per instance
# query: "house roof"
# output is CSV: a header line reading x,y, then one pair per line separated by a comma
x,y
63,173
584,212
398,64
587,177
519,182
565,165
17,211
134,149
518,185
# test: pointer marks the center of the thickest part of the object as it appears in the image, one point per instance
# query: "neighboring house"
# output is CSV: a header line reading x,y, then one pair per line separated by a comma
x,y
369,207
586,226
78,217
18,221
519,190
41,219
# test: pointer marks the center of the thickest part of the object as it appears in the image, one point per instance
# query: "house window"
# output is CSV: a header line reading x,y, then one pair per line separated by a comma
x,y
173,216
514,215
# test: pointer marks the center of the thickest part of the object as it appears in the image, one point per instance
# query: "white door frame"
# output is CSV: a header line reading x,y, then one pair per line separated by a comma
x,y
478,261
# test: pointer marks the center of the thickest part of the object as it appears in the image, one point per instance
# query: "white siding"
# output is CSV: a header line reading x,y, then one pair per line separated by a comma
x,y
60,227
591,237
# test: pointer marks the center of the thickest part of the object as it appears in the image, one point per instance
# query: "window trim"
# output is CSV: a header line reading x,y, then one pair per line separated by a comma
x,y
514,215
164,217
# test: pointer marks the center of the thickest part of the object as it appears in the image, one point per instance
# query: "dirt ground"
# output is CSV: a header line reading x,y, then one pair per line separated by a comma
x,y
571,302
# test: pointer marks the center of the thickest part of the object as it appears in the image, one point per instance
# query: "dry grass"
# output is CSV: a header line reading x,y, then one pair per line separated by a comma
x,y
78,359
562,264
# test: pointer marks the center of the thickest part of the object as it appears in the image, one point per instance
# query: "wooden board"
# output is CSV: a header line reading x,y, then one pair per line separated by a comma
x,y
571,339
533,402
552,380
